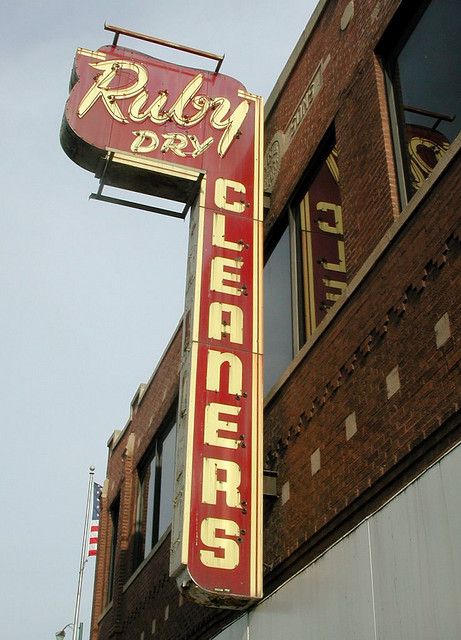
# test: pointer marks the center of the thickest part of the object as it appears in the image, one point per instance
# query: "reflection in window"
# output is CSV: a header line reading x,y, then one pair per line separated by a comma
x,y
154,508
322,260
425,73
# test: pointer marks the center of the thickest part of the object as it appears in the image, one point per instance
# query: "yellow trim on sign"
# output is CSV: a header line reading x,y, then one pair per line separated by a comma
x,y
247,95
91,54
194,333
189,455
158,166
199,261
256,541
254,506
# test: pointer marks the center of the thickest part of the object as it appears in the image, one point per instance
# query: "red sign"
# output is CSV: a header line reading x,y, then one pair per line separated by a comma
x,y
124,100
167,124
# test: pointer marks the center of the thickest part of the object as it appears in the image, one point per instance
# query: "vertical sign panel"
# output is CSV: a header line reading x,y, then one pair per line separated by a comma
x,y
216,538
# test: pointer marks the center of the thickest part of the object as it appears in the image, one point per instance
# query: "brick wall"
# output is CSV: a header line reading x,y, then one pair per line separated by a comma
x,y
376,384
147,415
352,99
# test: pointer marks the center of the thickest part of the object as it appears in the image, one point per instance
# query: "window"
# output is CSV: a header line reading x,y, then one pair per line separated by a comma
x,y
422,50
305,272
154,509
278,329
321,262
114,516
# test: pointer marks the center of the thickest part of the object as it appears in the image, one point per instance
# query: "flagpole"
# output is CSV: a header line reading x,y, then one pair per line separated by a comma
x,y
83,555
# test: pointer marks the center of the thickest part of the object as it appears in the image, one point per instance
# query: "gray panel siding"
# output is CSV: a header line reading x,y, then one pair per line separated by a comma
x,y
396,576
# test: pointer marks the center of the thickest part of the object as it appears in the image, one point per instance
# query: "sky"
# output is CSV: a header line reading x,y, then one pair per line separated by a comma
x,y
90,292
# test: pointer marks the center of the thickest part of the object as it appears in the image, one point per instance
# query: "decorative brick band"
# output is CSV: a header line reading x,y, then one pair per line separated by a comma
x,y
372,340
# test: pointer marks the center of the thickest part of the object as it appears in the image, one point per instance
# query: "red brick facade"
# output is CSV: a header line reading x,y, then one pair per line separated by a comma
x,y
373,397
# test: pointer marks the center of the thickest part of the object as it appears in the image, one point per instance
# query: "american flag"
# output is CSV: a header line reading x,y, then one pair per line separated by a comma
x,y
94,524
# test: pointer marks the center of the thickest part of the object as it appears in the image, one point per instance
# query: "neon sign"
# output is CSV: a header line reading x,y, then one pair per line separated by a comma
x,y
165,125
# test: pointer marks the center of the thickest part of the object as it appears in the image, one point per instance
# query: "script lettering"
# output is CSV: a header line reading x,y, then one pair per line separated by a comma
x,y
187,110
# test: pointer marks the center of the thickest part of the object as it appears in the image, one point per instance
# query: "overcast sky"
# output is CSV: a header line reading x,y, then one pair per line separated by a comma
x,y
91,292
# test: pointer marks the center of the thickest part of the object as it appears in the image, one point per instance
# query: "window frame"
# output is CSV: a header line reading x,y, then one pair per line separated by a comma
x,y
153,459
291,219
388,51
299,270
398,32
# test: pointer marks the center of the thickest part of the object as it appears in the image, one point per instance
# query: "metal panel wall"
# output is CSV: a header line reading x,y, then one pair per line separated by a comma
x,y
331,599
395,577
416,554
238,630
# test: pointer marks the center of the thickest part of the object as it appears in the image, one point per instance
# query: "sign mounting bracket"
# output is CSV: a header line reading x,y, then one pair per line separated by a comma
x,y
139,205
118,31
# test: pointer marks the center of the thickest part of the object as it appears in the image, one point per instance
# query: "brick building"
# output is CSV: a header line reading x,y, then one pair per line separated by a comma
x,y
362,423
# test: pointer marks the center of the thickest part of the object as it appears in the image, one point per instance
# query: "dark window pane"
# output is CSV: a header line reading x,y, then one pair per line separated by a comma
x,y
150,516
278,329
167,482
114,516
140,523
